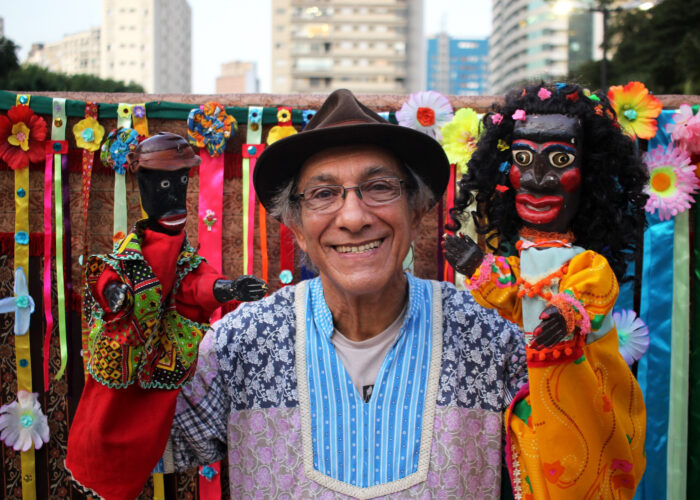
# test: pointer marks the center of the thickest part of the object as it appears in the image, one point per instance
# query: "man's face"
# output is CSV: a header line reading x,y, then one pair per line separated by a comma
x,y
358,249
164,198
546,171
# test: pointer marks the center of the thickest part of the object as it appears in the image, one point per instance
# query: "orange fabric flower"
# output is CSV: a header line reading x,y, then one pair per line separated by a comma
x,y
636,109
22,135
553,471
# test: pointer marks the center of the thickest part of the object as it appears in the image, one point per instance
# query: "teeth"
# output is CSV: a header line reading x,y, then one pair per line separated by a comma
x,y
173,222
360,248
538,209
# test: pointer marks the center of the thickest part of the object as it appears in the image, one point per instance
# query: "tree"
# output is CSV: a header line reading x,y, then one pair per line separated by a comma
x,y
659,47
32,78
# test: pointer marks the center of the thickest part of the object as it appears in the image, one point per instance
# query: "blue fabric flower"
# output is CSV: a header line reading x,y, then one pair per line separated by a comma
x,y
21,304
119,143
208,472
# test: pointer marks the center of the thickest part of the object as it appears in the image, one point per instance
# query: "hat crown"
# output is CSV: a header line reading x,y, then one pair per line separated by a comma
x,y
342,108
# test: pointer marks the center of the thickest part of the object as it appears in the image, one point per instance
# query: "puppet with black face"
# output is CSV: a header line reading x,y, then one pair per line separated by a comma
x,y
554,177
148,305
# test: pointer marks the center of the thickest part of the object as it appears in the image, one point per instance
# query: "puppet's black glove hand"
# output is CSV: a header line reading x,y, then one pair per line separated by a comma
x,y
462,253
244,288
551,329
115,294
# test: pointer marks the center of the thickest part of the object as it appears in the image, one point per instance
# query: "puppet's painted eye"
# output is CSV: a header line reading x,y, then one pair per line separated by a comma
x,y
522,157
165,183
183,179
561,159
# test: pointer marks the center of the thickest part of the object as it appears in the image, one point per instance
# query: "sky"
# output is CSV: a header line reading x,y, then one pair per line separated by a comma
x,y
222,30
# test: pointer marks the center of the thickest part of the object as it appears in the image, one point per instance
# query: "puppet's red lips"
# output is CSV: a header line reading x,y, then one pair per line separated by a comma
x,y
534,210
174,221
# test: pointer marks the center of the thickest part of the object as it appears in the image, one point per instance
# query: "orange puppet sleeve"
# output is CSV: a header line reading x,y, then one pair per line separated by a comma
x,y
494,286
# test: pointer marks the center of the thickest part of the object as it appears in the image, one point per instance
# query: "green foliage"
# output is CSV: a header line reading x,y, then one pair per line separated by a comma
x,y
659,47
32,78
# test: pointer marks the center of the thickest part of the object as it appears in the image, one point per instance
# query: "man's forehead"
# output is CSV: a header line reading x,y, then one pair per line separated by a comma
x,y
540,128
367,159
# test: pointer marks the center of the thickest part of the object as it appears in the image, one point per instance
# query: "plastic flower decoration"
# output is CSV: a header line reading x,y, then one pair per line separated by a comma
x,y
426,112
284,127
22,135
636,109
632,334
88,134
21,304
209,127
459,137
672,181
119,143
23,424
685,129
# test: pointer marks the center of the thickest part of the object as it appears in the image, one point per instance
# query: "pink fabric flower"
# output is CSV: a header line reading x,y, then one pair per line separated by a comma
x,y
544,94
519,115
620,464
497,118
685,129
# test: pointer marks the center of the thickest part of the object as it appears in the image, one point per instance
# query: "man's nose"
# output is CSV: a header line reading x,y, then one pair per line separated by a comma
x,y
353,215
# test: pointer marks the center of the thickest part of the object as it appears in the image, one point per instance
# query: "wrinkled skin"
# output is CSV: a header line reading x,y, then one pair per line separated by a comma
x,y
546,177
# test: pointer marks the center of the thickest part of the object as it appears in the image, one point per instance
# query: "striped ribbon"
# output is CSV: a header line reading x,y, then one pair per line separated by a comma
x,y
121,226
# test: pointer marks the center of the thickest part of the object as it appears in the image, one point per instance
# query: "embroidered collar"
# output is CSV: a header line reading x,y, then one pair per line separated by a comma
x,y
532,238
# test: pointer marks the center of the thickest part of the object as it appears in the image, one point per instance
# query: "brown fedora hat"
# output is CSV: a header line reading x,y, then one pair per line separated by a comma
x,y
343,121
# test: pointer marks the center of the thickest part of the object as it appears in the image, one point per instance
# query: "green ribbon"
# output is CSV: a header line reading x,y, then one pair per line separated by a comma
x,y
120,211
163,110
58,133
676,465
694,372
252,137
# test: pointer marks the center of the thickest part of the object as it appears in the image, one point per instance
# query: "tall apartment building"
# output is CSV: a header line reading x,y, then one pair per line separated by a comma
x,y
368,46
458,66
530,41
238,77
148,42
78,53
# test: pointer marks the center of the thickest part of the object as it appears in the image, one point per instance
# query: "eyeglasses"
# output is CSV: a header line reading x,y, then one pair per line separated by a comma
x,y
374,192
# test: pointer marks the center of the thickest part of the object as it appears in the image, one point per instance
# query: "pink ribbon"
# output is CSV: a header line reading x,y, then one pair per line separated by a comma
x,y
211,206
48,185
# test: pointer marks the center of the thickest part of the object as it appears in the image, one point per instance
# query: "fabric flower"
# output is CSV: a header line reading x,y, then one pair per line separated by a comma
x,y
544,94
284,116
519,115
426,112
21,304
210,126
119,143
23,424
22,134
553,471
459,137
672,181
636,109
88,133
685,129
632,335
139,111
497,118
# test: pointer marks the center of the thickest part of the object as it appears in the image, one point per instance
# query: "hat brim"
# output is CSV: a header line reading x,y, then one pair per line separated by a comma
x,y
282,160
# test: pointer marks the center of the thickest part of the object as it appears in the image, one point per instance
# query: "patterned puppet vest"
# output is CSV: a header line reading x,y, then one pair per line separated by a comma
x,y
149,342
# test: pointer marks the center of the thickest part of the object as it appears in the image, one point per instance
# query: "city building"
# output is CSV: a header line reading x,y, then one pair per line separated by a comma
x,y
148,42
530,41
457,66
368,46
78,53
238,77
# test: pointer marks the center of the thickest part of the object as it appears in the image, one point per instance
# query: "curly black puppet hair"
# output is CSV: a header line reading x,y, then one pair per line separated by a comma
x,y
610,217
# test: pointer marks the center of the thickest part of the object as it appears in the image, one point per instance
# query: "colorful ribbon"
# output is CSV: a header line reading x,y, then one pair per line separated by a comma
x,y
58,136
48,184
23,356
449,273
250,152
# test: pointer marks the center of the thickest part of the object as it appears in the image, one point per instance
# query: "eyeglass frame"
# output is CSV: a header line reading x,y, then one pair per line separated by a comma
x,y
297,198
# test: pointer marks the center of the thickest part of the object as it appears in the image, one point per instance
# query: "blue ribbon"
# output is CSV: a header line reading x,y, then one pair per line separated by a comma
x,y
655,366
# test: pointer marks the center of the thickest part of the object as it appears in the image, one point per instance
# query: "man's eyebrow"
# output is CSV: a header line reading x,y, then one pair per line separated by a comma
x,y
368,172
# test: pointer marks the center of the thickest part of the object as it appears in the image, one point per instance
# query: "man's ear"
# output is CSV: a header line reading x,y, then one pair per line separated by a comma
x,y
298,234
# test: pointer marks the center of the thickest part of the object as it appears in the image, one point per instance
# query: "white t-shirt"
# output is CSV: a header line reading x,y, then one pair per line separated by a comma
x,y
362,360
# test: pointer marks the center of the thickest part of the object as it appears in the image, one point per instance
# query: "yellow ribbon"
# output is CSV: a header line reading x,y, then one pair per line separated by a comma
x,y
22,352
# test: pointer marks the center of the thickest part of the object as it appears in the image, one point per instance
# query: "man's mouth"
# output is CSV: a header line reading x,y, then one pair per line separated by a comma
x,y
534,210
364,247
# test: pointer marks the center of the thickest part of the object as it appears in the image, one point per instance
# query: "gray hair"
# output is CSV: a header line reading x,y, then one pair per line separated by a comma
x,y
284,207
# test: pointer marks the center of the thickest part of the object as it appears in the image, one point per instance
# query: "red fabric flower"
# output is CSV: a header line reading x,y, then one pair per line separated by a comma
x,y
22,135
623,481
